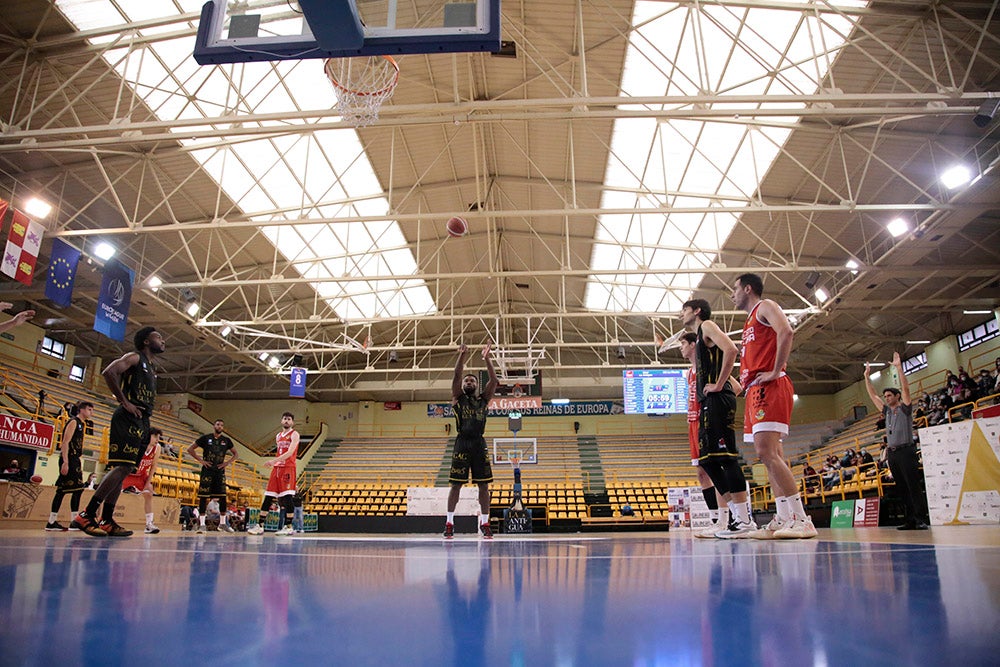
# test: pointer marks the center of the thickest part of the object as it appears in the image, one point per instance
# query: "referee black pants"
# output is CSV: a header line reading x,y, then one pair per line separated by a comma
x,y
905,468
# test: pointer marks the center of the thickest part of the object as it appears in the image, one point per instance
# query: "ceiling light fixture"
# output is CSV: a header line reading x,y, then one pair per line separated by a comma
x,y
104,250
898,227
226,330
956,176
154,282
192,308
37,209
977,312
821,295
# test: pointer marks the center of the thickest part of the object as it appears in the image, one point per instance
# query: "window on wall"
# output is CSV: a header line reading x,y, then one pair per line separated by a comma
x,y
978,334
76,373
53,348
915,363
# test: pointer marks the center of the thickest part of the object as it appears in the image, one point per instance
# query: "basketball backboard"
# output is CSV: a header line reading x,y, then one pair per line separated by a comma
x,y
253,30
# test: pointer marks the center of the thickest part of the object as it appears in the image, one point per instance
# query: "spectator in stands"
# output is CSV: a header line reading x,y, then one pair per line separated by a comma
x,y
811,478
70,480
627,510
92,481
903,456
831,472
985,383
848,465
470,454
19,318
866,462
965,380
14,473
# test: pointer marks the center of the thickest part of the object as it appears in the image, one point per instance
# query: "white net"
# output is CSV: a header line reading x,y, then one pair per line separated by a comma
x,y
362,85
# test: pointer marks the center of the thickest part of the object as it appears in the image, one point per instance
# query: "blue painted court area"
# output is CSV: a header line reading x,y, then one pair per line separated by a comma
x,y
635,599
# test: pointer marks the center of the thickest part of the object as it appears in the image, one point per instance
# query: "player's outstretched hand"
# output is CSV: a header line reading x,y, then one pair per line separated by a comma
x,y
486,350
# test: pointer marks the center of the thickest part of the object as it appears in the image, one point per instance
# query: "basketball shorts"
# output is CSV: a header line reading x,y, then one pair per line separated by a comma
x,y
212,483
717,426
73,480
136,480
128,439
281,482
470,455
768,408
693,441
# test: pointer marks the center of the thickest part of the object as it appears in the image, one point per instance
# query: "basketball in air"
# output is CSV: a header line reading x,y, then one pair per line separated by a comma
x,y
36,479
457,227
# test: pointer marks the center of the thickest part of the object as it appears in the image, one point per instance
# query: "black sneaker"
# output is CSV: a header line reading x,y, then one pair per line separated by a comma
x,y
89,526
55,527
112,529
449,531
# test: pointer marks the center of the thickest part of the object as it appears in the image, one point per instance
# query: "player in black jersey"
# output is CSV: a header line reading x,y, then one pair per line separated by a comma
x,y
470,453
215,449
70,463
132,380
714,358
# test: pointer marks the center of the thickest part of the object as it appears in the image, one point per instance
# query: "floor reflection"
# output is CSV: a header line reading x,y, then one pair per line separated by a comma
x,y
573,600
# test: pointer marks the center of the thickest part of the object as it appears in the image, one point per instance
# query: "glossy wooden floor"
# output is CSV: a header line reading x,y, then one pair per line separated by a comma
x,y
851,597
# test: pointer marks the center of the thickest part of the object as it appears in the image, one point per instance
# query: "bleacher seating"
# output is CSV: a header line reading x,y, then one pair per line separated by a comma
x,y
664,458
176,476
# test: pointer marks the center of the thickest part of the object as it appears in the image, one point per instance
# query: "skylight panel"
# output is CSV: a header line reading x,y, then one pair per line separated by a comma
x,y
325,174
677,164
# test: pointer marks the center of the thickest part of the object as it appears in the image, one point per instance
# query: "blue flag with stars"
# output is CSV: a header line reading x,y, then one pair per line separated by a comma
x,y
62,272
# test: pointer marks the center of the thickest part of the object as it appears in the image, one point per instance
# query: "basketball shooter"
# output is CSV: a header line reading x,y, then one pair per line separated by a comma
x,y
715,355
470,453
767,341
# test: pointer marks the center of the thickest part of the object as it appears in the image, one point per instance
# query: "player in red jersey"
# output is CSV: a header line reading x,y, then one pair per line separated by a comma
x,y
142,479
767,341
281,485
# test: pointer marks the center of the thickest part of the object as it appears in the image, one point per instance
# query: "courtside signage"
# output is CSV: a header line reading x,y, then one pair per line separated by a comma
x,y
25,432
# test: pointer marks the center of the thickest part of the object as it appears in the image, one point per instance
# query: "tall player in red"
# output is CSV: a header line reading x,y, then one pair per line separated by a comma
x,y
767,341
281,485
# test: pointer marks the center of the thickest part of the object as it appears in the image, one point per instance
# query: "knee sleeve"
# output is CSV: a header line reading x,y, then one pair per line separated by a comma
x,y
735,480
715,473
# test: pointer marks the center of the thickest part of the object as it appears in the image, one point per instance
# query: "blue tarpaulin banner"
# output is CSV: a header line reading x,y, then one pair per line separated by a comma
x,y
297,386
114,300
62,272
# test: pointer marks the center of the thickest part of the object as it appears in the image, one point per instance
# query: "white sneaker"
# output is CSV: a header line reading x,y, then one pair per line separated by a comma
x,y
768,531
707,533
200,528
287,530
226,528
797,529
739,530
255,529
151,529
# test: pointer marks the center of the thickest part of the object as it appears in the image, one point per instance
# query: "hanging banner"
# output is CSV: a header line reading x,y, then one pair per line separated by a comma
x,y
114,300
21,253
576,408
297,383
62,272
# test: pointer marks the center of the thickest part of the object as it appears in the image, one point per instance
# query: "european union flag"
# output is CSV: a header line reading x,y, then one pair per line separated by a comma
x,y
62,272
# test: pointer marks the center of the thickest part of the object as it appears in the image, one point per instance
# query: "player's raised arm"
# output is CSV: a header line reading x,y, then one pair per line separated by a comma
x,y
456,382
876,399
494,382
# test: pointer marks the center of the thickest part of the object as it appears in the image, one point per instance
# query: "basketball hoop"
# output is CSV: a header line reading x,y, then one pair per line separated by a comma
x,y
514,457
362,85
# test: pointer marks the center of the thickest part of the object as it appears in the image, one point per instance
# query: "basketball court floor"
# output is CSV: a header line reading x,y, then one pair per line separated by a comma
x,y
851,597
